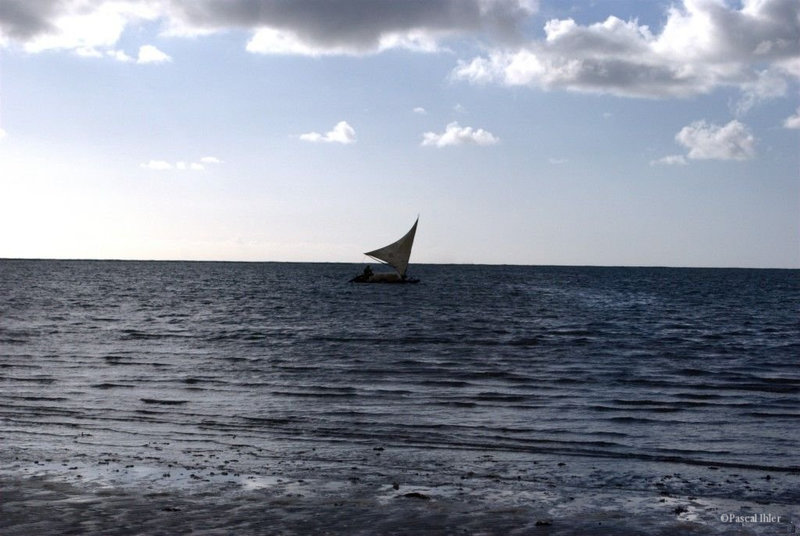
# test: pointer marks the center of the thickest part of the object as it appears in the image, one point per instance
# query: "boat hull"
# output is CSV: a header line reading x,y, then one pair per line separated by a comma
x,y
383,278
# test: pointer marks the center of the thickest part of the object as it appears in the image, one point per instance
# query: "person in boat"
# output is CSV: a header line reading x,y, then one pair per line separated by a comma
x,y
367,272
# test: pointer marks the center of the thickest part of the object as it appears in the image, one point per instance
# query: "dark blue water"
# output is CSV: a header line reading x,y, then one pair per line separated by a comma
x,y
510,387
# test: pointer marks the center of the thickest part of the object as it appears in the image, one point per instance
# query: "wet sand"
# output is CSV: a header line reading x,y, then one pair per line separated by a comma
x,y
306,492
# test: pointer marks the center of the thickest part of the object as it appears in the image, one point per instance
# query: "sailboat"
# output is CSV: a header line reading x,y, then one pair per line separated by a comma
x,y
395,255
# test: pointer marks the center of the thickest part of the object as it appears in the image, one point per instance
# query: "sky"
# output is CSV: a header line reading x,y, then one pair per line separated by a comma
x,y
605,132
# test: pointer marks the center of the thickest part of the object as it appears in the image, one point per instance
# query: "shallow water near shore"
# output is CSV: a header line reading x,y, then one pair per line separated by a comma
x,y
271,398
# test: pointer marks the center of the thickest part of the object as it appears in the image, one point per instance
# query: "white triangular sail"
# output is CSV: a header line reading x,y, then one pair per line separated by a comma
x,y
397,254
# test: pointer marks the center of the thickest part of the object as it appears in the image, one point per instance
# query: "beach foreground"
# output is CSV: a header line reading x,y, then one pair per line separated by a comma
x,y
454,492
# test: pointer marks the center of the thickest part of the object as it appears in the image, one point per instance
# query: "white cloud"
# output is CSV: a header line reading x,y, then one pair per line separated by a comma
x,y
157,165
3,134
147,54
85,27
712,142
671,160
793,121
769,84
703,45
753,45
341,133
706,141
182,165
557,161
274,41
287,42
455,134
420,110
119,55
150,54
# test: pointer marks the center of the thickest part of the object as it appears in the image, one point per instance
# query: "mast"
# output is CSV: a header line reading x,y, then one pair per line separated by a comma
x,y
397,253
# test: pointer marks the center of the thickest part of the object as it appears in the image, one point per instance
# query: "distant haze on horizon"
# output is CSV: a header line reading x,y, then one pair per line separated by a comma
x,y
528,132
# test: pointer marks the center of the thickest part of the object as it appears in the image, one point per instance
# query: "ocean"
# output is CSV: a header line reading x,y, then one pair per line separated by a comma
x,y
277,398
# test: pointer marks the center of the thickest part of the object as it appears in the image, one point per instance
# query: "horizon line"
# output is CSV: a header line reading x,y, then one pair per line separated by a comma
x,y
706,267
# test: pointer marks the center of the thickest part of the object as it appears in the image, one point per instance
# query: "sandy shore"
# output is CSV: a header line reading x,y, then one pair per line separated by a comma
x,y
123,497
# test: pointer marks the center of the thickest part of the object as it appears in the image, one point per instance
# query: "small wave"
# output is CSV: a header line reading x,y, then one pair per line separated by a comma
x,y
629,419
501,397
136,335
39,380
525,341
694,372
13,340
314,394
701,396
648,409
574,332
786,387
163,402
118,360
445,383
637,402
454,403
771,414
270,421
107,385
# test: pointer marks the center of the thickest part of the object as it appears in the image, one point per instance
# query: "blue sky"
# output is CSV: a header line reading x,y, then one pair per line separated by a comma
x,y
522,132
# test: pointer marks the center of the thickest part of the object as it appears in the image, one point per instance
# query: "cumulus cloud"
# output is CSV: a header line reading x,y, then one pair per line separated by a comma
x,y
119,55
23,19
753,45
420,110
311,27
147,54
86,28
768,84
793,121
703,45
157,165
341,133
150,54
670,160
708,141
307,27
163,165
455,134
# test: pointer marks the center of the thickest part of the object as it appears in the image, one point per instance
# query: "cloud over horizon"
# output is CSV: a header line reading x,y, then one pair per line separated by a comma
x,y
454,134
702,46
342,133
163,165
